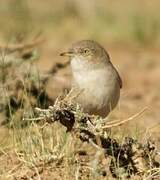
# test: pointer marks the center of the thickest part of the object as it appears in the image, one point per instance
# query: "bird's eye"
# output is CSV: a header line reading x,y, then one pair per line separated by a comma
x,y
86,51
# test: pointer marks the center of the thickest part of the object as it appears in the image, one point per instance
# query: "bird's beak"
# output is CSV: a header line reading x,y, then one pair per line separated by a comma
x,y
69,53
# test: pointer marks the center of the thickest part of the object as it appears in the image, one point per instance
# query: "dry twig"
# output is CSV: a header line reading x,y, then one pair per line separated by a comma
x,y
132,156
121,122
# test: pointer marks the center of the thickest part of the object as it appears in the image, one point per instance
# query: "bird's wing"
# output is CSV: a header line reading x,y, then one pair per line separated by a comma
x,y
118,76
119,80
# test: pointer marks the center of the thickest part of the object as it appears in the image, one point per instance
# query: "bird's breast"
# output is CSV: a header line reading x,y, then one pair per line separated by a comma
x,y
96,84
90,79
100,89
85,76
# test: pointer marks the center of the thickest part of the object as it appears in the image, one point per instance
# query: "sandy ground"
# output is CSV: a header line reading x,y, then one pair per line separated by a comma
x,y
140,72
127,30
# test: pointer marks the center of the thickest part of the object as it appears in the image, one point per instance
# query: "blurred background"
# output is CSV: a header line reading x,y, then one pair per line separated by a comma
x,y
129,30
109,21
33,77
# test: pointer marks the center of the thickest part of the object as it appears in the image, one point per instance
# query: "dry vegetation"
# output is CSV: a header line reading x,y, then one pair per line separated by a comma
x,y
57,140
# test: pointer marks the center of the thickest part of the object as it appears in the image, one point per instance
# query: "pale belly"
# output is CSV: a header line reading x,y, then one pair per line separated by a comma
x,y
100,92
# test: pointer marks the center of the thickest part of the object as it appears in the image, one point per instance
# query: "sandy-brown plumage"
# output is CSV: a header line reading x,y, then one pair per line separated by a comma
x,y
95,76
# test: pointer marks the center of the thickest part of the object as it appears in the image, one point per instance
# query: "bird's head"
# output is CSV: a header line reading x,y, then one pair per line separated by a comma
x,y
87,52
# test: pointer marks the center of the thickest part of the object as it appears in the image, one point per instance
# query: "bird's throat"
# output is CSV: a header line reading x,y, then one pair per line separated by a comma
x,y
87,76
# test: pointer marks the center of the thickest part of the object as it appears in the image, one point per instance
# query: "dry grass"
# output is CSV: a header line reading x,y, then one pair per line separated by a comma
x,y
130,32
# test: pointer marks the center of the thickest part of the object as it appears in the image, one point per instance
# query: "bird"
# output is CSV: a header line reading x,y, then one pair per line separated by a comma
x,y
94,76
